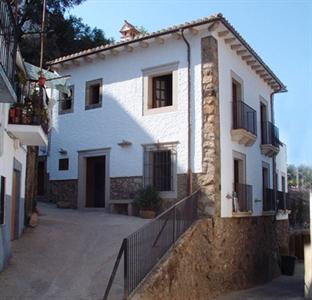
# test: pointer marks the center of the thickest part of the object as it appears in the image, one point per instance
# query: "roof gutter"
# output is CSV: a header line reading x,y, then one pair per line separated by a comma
x,y
189,121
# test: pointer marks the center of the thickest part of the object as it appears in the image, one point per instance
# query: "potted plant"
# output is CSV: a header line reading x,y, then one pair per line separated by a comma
x,y
147,200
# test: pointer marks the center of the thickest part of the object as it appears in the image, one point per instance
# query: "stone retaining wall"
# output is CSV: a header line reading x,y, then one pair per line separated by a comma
x,y
213,257
63,190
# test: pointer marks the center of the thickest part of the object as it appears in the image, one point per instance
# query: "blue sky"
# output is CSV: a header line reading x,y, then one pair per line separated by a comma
x,y
279,31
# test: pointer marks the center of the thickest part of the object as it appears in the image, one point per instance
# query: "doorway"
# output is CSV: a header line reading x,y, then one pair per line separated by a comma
x,y
93,178
95,181
15,204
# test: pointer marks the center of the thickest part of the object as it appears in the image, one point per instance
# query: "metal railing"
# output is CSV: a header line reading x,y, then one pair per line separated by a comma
x,y
270,134
244,198
269,203
282,200
143,249
8,41
244,117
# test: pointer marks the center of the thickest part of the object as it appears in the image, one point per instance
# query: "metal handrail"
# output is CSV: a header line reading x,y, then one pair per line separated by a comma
x,y
244,117
153,239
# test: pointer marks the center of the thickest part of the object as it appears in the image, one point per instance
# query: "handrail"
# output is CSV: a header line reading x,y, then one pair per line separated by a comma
x,y
139,248
116,265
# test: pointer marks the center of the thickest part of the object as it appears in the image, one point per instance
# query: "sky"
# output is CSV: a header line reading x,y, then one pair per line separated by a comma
x,y
279,31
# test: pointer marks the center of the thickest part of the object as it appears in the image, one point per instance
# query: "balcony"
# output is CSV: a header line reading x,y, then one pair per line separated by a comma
x,y
29,129
8,47
282,200
269,203
242,199
244,124
269,139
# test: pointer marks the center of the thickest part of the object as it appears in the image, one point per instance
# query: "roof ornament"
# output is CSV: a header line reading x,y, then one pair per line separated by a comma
x,y
128,31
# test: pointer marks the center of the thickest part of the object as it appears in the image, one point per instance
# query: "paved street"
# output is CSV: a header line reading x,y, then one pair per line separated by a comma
x,y
281,288
70,255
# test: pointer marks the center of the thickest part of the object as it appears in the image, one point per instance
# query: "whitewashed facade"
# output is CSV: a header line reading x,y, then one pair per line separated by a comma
x,y
122,124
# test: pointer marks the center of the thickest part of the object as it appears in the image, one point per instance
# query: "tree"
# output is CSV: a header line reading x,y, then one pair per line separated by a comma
x,y
300,176
63,35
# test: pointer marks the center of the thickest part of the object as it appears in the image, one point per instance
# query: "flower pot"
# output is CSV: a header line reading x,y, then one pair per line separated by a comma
x,y
11,114
288,265
42,81
147,214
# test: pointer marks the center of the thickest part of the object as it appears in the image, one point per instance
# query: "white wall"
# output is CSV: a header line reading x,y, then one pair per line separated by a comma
x,y
253,88
281,166
121,115
10,151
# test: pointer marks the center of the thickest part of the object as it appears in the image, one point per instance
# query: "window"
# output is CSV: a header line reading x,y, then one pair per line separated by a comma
x,y
67,102
159,167
162,91
283,184
160,88
2,197
63,164
263,120
94,94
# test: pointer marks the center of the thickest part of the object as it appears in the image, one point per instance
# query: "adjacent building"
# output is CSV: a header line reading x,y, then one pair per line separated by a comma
x,y
17,131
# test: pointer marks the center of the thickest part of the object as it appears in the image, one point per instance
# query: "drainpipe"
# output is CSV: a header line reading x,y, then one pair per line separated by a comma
x,y
189,121
280,90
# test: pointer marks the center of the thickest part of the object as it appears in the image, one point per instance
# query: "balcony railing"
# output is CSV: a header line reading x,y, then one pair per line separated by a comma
x,y
8,40
20,115
269,203
282,200
269,134
244,117
242,200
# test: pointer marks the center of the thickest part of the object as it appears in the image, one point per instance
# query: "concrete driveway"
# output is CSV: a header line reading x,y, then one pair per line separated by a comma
x,y
70,255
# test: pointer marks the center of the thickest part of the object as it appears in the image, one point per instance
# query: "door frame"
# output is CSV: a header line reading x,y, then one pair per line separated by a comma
x,y
82,171
17,167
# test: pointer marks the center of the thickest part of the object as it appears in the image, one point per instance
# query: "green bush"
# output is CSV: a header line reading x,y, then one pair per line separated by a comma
x,y
148,198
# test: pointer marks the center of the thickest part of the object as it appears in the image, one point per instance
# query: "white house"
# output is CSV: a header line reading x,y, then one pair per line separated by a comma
x,y
137,116
15,136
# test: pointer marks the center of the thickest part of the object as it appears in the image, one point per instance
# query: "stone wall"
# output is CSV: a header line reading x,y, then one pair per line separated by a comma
x,y
125,187
209,180
63,190
214,257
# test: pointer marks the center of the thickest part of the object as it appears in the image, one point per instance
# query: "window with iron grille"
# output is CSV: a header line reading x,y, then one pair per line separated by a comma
x,y
160,167
2,197
67,101
162,91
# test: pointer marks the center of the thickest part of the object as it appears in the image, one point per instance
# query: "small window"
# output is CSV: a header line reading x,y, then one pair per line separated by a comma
x,y
67,101
2,197
159,166
162,91
63,164
94,93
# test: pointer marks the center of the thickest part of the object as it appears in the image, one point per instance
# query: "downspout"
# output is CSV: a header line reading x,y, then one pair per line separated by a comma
x,y
274,156
189,120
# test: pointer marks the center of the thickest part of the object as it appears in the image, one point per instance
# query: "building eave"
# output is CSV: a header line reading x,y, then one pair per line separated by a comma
x,y
216,19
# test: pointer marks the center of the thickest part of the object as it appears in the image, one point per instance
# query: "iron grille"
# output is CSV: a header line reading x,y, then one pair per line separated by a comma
x,y
159,166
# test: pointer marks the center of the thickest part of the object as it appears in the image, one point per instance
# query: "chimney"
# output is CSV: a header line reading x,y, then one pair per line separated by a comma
x,y
128,31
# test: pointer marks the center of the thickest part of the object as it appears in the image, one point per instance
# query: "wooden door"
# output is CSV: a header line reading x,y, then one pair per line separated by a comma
x,y
15,203
95,181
